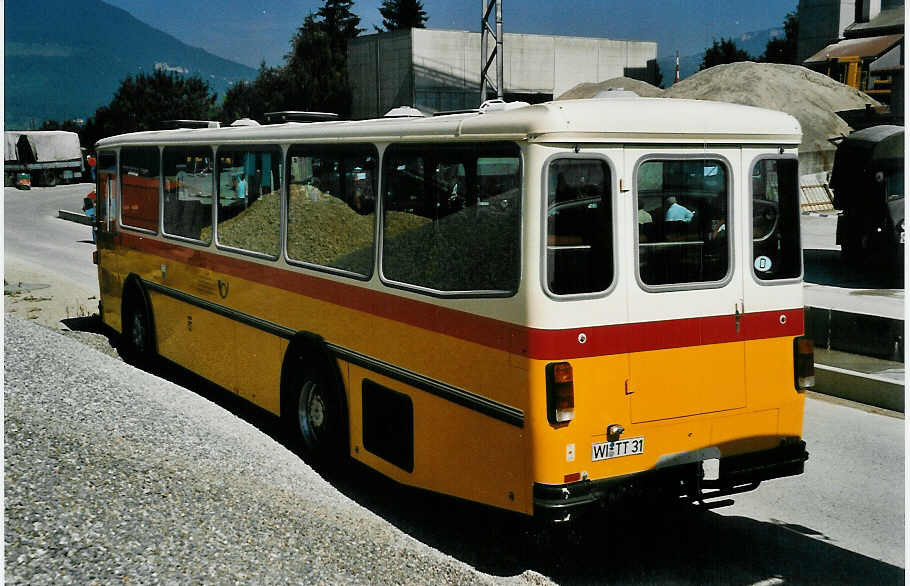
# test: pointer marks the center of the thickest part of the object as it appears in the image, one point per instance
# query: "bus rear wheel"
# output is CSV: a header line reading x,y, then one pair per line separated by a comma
x,y
318,423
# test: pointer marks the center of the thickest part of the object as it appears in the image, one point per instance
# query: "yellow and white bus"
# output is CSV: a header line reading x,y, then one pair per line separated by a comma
x,y
539,308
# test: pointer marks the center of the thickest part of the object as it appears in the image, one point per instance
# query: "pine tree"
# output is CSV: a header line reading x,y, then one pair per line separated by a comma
x,y
402,14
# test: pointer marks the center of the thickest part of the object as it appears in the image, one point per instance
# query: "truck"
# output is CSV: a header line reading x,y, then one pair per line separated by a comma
x,y
48,156
868,184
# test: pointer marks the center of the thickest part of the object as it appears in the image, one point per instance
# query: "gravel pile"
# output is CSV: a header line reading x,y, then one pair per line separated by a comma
x,y
115,475
473,249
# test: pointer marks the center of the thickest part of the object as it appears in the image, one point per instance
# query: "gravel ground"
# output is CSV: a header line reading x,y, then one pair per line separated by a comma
x,y
116,475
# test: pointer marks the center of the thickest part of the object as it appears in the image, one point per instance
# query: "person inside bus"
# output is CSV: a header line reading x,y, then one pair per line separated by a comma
x,y
677,212
241,186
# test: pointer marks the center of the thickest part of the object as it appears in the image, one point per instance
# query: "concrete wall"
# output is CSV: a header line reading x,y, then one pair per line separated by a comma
x,y
440,70
379,67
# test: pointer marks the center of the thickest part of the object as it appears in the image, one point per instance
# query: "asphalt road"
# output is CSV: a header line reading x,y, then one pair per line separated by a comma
x,y
32,232
112,474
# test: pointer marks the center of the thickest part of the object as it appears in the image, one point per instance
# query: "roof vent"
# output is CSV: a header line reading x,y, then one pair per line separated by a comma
x,y
500,105
244,122
297,116
174,124
404,112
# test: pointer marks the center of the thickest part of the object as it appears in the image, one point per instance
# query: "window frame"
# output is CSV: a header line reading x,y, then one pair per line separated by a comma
x,y
436,293
335,148
731,215
216,199
799,236
178,237
545,206
119,210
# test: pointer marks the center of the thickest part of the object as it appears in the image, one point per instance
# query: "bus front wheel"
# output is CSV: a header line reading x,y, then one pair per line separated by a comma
x,y
136,341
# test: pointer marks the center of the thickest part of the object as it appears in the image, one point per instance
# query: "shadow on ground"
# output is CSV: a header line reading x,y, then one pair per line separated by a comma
x,y
825,267
679,545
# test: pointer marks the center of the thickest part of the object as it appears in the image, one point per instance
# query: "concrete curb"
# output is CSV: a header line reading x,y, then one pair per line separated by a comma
x,y
77,217
860,387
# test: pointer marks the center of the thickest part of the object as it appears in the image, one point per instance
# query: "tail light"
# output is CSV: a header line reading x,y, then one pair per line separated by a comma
x,y
804,362
94,257
560,393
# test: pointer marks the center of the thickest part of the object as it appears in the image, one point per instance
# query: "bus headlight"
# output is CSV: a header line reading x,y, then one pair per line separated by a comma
x,y
560,393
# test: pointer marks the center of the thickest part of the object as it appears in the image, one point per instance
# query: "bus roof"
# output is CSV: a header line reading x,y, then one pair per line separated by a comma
x,y
645,120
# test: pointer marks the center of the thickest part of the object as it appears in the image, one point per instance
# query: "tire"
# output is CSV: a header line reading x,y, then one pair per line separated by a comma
x,y
137,340
317,418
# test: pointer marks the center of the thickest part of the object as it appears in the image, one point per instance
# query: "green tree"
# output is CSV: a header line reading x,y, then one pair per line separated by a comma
x,y
269,92
783,50
722,52
144,101
402,14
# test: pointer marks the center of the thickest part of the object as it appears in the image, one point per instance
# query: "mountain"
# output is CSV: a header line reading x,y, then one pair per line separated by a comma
x,y
64,59
753,43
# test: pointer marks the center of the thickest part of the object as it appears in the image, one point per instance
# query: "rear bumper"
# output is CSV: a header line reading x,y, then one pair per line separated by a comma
x,y
559,502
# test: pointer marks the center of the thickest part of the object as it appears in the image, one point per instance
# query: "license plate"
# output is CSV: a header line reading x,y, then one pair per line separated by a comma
x,y
632,446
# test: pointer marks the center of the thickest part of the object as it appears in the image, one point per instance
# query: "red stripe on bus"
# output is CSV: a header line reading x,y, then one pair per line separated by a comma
x,y
532,343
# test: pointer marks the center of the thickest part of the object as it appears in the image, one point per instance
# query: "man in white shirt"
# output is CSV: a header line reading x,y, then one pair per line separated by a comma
x,y
676,212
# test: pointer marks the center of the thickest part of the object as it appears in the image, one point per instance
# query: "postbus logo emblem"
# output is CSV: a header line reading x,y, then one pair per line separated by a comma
x,y
762,264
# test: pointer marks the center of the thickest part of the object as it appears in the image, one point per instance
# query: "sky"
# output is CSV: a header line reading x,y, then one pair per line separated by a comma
x,y
250,31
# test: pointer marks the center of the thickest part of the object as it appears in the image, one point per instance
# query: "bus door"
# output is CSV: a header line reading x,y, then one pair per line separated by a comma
x,y
107,193
685,298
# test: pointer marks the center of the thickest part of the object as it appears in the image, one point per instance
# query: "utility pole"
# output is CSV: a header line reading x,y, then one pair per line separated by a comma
x,y
486,61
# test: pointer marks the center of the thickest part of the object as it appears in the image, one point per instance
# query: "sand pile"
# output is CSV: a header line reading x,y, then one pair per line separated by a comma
x,y
808,96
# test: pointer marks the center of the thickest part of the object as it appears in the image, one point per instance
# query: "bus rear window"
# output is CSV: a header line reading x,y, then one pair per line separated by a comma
x,y
776,252
451,220
579,227
683,221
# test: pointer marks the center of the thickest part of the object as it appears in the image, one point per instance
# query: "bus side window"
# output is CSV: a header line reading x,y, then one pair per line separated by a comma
x,y
249,198
188,191
331,207
451,218
139,170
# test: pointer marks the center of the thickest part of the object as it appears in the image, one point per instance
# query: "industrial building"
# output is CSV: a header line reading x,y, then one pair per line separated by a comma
x,y
439,70
857,42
